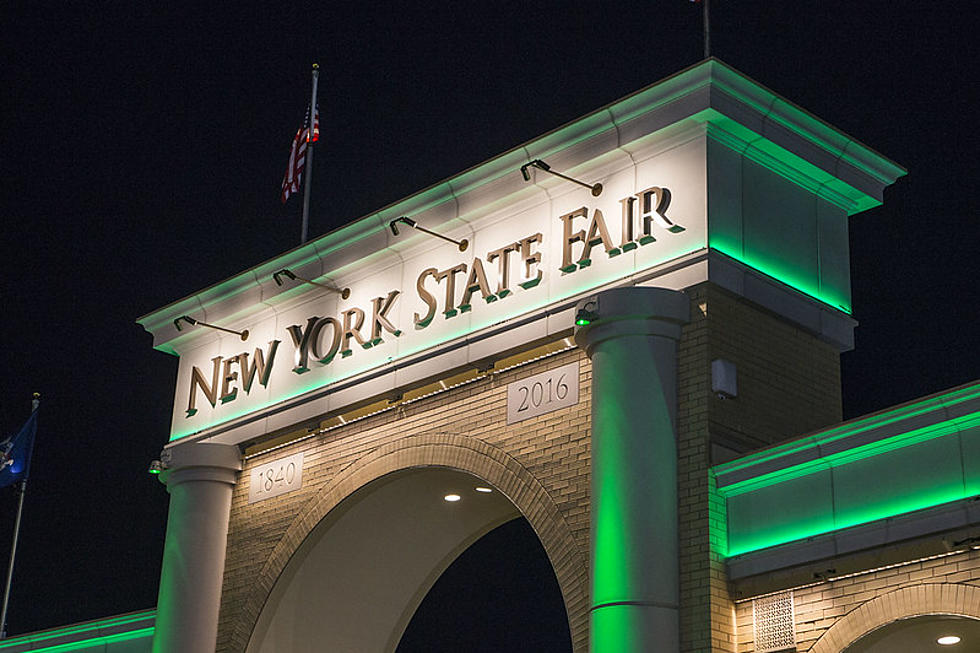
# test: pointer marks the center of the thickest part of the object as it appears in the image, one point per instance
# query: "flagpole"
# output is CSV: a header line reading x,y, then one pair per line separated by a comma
x,y
10,565
309,157
707,31
13,549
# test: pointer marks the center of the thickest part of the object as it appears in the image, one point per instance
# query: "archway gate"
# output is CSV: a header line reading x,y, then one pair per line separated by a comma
x,y
548,484
718,243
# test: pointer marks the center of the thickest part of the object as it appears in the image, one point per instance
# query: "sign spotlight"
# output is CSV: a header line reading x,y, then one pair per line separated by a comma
x,y
156,467
187,318
585,315
277,277
541,165
393,225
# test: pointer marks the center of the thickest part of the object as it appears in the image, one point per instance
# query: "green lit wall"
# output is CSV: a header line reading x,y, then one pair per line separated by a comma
x,y
914,457
767,218
128,633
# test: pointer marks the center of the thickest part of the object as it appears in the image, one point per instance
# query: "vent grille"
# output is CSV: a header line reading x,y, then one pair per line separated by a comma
x,y
773,623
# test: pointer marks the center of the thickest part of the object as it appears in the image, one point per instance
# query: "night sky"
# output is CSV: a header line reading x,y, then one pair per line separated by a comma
x,y
142,149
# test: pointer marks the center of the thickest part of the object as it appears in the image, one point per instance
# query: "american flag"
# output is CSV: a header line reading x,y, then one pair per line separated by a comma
x,y
297,154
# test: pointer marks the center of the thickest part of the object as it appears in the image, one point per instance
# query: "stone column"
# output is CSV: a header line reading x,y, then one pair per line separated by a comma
x,y
199,478
632,339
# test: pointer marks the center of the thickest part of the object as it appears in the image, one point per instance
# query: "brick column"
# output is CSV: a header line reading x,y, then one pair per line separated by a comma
x,y
632,339
199,478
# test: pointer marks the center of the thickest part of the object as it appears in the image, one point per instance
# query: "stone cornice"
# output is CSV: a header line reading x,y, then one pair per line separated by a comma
x,y
733,108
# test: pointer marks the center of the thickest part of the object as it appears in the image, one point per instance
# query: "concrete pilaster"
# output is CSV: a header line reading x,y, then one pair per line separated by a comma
x,y
632,340
199,478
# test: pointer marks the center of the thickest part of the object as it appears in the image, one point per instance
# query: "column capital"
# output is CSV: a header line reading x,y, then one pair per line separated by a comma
x,y
634,311
199,477
200,461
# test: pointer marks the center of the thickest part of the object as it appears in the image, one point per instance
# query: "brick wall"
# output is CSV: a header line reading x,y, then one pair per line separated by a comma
x,y
541,464
833,614
788,379
788,384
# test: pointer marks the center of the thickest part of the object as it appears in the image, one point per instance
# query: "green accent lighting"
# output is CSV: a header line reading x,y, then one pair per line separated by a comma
x,y
36,640
929,466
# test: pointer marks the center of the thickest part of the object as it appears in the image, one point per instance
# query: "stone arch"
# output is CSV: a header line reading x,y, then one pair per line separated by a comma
x,y
912,601
448,450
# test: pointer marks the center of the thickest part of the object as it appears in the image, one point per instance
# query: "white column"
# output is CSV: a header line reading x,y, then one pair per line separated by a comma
x,y
199,478
632,341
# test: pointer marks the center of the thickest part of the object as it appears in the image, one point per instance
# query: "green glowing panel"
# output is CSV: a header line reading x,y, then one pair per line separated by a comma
x,y
826,439
845,456
134,641
834,255
798,508
778,225
918,469
772,224
918,476
838,299
970,444
80,629
724,199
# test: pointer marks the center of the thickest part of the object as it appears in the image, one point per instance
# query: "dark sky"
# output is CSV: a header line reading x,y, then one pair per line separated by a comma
x,y
142,148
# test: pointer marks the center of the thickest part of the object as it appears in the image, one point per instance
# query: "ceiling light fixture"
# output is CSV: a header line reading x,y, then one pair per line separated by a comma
x,y
485,490
948,640
451,498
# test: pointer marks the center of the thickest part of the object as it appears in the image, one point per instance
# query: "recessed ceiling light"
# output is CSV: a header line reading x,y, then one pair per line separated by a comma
x,y
948,640
483,489
451,497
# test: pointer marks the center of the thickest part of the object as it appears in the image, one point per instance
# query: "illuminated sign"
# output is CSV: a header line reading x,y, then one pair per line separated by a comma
x,y
521,261
704,174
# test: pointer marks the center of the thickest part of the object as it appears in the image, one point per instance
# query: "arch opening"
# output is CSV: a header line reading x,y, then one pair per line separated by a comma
x,y
921,634
357,579
501,594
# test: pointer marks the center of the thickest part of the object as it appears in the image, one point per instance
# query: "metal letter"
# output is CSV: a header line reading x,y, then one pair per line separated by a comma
x,y
476,281
334,342
450,277
228,393
260,366
378,320
198,380
353,321
627,234
530,262
427,297
568,238
503,267
598,233
658,214
301,340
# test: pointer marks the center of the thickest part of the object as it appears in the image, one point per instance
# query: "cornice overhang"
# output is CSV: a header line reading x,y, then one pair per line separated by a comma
x,y
732,108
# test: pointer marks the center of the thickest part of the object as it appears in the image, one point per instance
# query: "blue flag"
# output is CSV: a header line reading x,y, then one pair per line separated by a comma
x,y
15,453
